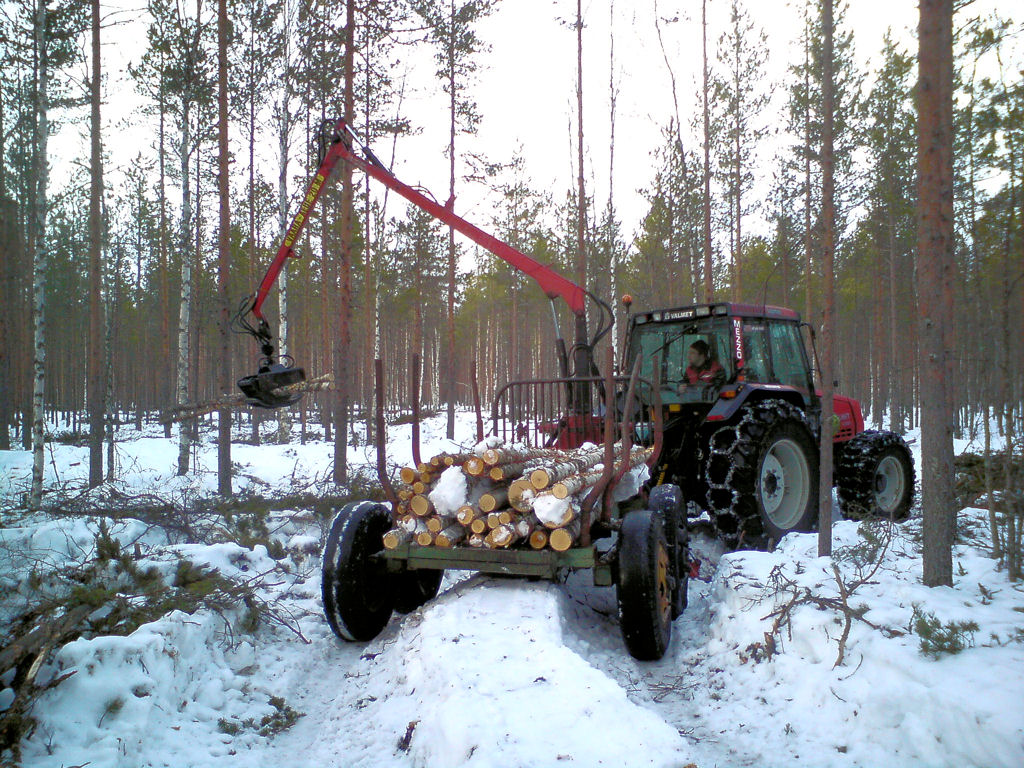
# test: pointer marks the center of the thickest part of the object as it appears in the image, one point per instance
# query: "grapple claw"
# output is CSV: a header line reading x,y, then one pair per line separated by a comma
x,y
259,388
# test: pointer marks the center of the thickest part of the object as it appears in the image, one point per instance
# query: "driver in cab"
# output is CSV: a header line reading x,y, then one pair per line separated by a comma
x,y
702,369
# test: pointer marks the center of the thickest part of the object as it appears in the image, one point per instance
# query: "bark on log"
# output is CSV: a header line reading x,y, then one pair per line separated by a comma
x,y
564,466
510,455
450,536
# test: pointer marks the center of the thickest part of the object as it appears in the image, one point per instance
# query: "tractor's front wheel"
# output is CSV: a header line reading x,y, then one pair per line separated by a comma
x,y
356,587
762,475
875,476
646,585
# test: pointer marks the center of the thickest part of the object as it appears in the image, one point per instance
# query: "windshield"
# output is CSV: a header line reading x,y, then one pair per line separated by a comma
x,y
671,341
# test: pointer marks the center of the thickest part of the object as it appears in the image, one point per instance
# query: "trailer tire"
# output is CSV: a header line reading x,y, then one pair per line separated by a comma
x,y
762,473
645,585
875,476
413,588
668,500
357,589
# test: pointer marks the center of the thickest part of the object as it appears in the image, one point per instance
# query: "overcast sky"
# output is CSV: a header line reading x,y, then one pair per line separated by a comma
x,y
525,91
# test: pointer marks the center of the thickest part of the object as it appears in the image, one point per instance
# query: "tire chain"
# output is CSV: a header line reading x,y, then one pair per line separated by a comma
x,y
855,466
734,449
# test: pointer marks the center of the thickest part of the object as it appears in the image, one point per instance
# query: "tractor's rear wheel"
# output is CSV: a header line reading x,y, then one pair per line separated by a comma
x,y
646,585
875,476
762,475
357,590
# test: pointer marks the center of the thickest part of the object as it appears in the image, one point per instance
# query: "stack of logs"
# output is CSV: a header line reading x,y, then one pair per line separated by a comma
x,y
510,496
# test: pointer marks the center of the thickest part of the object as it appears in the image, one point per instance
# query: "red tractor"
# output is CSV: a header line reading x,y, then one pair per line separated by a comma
x,y
723,393
742,421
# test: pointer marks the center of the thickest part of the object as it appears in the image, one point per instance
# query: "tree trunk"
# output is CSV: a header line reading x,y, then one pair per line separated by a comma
x,y
829,323
184,307
935,270
582,357
96,386
709,290
40,264
342,365
224,254
449,373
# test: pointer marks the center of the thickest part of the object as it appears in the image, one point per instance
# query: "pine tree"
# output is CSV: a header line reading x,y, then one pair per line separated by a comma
x,y
741,96
935,265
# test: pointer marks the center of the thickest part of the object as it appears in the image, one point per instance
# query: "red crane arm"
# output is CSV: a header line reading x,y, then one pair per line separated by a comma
x,y
550,281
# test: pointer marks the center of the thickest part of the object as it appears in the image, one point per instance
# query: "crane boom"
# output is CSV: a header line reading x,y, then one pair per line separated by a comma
x,y
272,374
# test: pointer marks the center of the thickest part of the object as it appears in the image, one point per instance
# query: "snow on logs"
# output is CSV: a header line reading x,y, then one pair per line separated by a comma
x,y
499,496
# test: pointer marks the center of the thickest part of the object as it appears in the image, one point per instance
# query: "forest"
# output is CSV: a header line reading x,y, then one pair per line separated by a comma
x,y
842,182
121,271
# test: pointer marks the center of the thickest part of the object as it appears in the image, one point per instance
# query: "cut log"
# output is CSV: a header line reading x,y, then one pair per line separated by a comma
x,y
437,523
420,488
409,475
421,506
563,466
450,536
562,539
425,539
492,500
501,517
396,537
474,466
466,514
520,495
479,525
573,484
510,455
539,538
553,512
476,540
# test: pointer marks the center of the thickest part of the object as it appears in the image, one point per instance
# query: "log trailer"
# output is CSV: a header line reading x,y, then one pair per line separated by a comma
x,y
554,487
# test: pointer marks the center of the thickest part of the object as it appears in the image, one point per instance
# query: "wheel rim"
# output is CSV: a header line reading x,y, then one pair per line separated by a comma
x,y
784,484
889,484
664,591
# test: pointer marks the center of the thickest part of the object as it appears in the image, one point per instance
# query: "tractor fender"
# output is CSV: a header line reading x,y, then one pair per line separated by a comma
x,y
726,407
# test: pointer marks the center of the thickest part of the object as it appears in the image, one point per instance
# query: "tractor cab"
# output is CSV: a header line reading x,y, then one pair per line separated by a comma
x,y
711,357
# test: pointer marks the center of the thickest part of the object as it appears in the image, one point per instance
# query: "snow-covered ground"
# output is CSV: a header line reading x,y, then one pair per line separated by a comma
x,y
506,673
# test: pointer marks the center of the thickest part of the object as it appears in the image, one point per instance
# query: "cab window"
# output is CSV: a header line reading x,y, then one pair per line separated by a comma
x,y
788,355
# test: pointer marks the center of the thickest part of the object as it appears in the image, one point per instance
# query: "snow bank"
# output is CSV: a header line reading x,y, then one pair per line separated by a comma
x,y
155,698
887,704
482,677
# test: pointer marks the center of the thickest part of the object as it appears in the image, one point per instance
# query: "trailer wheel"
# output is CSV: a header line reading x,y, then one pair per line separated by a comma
x,y
762,475
645,588
412,588
356,587
875,476
668,500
